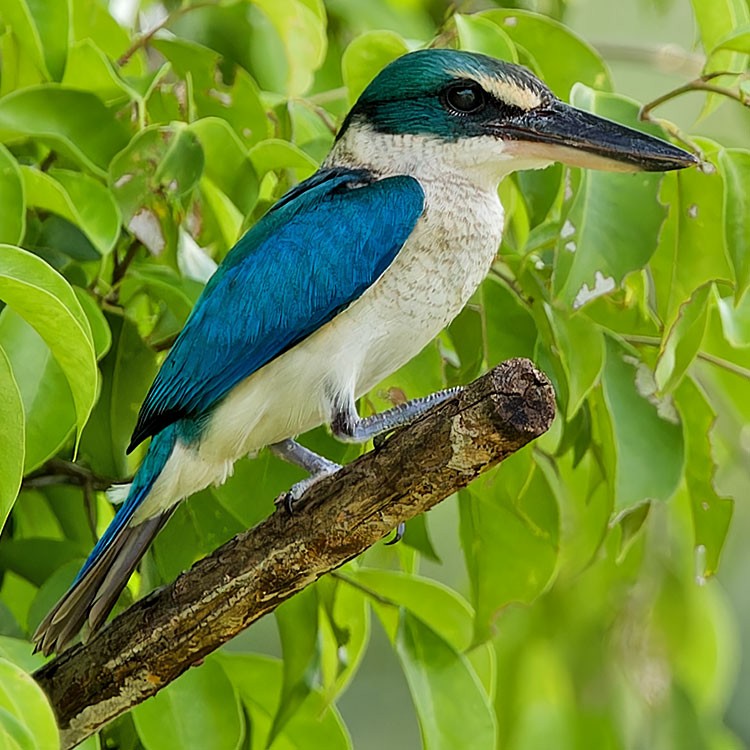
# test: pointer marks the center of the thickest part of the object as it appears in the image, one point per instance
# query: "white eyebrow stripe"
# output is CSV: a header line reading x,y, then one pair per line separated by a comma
x,y
512,93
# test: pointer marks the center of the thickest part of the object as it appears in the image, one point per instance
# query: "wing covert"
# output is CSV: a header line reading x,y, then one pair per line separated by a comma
x,y
313,254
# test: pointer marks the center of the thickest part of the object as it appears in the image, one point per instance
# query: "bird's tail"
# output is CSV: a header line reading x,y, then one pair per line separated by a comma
x,y
115,556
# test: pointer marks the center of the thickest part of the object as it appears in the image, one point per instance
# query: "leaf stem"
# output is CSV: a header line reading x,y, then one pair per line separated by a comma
x,y
725,364
364,589
143,39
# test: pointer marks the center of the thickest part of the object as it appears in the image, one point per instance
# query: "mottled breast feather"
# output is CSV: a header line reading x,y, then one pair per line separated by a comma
x,y
311,256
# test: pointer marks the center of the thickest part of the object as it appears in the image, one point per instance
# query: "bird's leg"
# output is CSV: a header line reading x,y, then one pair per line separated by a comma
x,y
349,427
318,467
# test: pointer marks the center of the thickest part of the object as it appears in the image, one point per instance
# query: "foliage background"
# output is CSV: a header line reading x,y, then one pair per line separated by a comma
x,y
566,601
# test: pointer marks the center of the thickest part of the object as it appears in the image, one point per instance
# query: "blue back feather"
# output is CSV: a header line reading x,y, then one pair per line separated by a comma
x,y
314,253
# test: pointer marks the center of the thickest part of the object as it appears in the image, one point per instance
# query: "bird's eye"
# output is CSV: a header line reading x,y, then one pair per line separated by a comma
x,y
465,98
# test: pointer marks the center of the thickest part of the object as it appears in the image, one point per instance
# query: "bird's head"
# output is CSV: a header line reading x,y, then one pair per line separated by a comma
x,y
499,115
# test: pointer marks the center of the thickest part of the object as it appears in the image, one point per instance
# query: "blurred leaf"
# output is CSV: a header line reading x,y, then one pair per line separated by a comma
x,y
80,199
198,710
100,333
13,204
735,319
477,34
564,59
153,178
275,154
25,712
257,680
711,512
89,68
735,169
716,19
597,247
302,30
437,606
42,32
344,632
575,334
228,164
417,536
452,707
683,340
46,301
366,56
647,432
74,122
681,263
50,415
738,40
12,440
127,372
509,534
297,621
37,559
466,334
511,330
237,103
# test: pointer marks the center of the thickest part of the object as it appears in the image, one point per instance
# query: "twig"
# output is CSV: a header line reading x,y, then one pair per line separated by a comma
x,y
143,39
725,364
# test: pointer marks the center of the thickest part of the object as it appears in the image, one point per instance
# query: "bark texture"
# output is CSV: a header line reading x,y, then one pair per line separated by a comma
x,y
162,635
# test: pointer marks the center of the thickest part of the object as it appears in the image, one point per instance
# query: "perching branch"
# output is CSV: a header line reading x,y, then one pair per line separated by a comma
x,y
160,636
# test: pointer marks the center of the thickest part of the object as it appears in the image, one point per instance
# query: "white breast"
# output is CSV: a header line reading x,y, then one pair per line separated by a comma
x,y
427,285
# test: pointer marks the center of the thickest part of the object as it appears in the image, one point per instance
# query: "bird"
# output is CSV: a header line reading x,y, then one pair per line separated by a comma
x,y
345,279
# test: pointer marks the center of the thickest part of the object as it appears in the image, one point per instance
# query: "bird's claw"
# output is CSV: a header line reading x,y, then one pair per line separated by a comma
x,y
289,500
400,529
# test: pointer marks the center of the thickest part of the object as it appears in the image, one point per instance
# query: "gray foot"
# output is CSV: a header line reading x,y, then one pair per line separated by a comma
x,y
318,466
349,427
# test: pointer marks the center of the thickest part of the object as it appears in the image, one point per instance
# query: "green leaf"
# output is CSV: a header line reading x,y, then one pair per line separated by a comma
x,y
45,300
597,246
24,705
575,334
12,440
563,58
452,707
75,122
366,56
42,32
127,372
297,621
100,333
50,415
152,180
90,69
716,20
711,512
511,330
80,199
439,607
238,104
301,28
196,711
735,320
646,429
13,204
228,164
257,680
275,154
683,340
737,40
509,534
681,264
734,164
477,34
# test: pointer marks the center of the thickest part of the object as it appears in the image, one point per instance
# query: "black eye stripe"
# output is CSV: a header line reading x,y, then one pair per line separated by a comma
x,y
464,98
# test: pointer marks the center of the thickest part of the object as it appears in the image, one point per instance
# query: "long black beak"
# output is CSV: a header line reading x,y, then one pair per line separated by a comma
x,y
563,133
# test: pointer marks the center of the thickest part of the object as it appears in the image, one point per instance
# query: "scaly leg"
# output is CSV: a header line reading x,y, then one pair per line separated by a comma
x,y
349,427
318,467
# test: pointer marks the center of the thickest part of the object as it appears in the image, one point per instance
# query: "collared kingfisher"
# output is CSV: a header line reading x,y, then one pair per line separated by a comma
x,y
344,280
